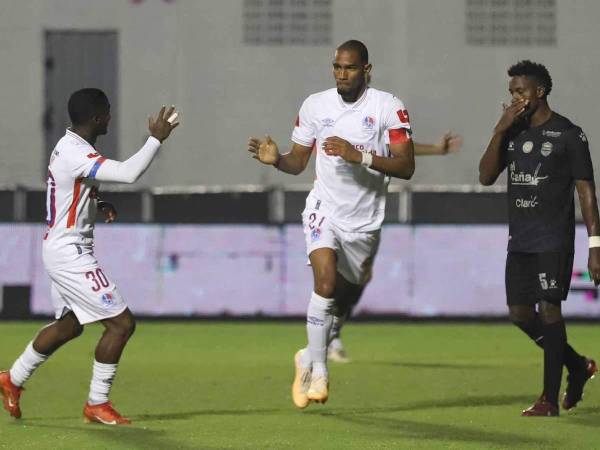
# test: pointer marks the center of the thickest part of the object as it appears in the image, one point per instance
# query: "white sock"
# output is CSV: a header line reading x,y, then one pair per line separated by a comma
x,y
102,380
25,365
305,359
318,325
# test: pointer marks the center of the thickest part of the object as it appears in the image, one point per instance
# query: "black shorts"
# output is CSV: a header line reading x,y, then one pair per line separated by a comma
x,y
532,277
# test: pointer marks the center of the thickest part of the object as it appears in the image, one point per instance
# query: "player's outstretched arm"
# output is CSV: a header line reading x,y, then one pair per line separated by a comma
x,y
493,161
400,165
586,191
266,152
447,143
132,169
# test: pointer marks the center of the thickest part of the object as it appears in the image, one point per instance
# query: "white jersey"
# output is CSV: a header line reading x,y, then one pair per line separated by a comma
x,y
71,197
353,196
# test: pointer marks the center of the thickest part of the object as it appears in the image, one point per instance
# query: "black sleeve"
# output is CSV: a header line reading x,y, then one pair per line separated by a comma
x,y
579,155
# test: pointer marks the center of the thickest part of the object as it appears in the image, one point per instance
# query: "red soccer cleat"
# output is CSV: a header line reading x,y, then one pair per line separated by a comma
x,y
541,408
576,382
103,413
10,395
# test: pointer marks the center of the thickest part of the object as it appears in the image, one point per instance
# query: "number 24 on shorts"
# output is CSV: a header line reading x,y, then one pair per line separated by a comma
x,y
312,219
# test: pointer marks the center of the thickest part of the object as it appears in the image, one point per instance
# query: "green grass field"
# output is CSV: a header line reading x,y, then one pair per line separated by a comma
x,y
227,385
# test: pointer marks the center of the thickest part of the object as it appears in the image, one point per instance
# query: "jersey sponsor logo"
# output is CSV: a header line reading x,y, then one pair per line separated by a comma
x,y
524,178
327,122
93,155
511,146
368,123
527,147
546,148
583,137
551,134
527,203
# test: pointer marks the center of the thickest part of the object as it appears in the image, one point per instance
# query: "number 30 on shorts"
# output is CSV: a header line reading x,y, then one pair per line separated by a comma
x,y
98,279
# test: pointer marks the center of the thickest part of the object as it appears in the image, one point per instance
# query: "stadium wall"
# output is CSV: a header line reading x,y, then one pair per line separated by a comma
x,y
421,271
191,53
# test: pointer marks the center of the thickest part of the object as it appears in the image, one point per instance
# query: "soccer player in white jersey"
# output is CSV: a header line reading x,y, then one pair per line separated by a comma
x,y
345,209
81,292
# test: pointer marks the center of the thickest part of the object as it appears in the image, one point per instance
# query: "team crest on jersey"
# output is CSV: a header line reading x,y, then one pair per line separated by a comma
x,y
368,123
315,234
583,137
511,146
328,122
108,299
527,147
546,148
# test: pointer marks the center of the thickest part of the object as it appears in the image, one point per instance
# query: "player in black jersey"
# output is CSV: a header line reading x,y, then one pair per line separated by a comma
x,y
547,157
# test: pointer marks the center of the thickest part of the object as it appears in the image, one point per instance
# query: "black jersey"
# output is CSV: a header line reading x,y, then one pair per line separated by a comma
x,y
543,163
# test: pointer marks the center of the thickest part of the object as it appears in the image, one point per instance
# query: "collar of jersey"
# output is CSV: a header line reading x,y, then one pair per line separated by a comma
x,y
79,138
356,105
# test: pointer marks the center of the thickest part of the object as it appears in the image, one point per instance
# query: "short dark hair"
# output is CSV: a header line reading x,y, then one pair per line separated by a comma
x,y
358,47
86,103
534,70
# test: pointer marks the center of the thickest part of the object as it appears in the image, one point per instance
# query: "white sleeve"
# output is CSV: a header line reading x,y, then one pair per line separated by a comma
x,y
304,132
396,115
127,171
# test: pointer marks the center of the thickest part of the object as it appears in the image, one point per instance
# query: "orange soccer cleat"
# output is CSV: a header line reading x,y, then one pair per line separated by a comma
x,y
10,395
103,413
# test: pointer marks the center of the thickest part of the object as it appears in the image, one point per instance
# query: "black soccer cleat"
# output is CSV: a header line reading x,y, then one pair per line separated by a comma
x,y
575,383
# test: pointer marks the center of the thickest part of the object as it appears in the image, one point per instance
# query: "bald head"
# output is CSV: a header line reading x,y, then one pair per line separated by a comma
x,y
358,47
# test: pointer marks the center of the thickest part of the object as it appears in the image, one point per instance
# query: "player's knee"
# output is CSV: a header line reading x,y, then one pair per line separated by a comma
x,y
550,313
122,326
131,327
519,314
325,288
127,327
76,331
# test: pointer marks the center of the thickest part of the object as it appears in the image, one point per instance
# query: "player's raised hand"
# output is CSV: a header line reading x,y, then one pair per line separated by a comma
x,y
165,122
265,151
448,143
336,146
510,113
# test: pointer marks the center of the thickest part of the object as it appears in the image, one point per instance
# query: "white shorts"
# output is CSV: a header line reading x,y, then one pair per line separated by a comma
x,y
355,251
82,287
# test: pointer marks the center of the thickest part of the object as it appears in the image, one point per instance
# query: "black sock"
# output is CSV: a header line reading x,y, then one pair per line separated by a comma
x,y
555,339
534,329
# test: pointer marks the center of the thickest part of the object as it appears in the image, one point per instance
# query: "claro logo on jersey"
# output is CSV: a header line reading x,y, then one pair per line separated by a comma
x,y
524,178
526,203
